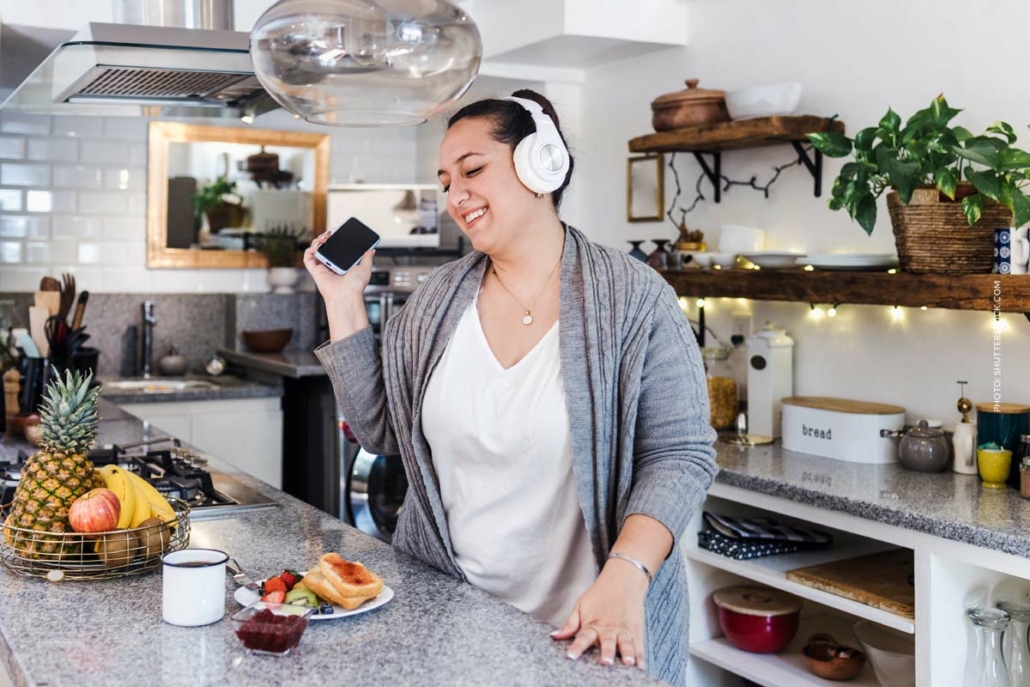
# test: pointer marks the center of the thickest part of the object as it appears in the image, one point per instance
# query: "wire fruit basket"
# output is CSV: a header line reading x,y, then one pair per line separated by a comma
x,y
94,556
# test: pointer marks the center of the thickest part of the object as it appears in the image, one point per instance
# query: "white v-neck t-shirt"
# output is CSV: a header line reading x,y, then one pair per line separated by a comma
x,y
502,449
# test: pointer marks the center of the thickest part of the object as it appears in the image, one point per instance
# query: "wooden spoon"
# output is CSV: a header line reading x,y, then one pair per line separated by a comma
x,y
49,284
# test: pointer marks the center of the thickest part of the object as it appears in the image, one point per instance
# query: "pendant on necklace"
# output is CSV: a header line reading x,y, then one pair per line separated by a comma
x,y
528,319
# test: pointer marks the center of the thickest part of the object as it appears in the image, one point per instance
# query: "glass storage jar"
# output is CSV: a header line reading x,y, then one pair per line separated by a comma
x,y
986,667
722,390
1015,650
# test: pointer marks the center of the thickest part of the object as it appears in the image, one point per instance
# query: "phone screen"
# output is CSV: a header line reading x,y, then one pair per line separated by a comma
x,y
345,247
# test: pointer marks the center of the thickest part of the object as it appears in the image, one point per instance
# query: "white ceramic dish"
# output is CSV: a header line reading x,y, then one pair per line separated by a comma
x,y
763,101
892,654
771,259
724,260
851,261
246,597
700,259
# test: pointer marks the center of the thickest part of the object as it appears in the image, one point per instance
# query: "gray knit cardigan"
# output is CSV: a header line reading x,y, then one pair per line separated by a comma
x,y
636,395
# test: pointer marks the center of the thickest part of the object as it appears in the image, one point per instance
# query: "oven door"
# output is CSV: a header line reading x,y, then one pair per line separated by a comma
x,y
374,493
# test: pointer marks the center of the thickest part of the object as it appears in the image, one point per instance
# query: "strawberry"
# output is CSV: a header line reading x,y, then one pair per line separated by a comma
x,y
275,584
290,578
276,597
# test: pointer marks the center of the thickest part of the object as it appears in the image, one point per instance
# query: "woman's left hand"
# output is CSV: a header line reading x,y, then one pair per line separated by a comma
x,y
610,615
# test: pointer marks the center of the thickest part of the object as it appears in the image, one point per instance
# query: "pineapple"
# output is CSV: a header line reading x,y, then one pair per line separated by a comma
x,y
60,472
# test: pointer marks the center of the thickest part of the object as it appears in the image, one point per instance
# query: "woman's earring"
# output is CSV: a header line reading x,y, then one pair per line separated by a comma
x,y
540,195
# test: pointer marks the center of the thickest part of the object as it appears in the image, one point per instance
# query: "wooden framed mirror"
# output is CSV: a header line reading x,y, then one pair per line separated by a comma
x,y
645,188
211,189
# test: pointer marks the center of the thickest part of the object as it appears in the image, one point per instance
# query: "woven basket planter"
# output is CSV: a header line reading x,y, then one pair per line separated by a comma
x,y
934,236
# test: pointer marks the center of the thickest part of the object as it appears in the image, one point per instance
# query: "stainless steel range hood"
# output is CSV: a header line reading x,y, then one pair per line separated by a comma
x,y
125,69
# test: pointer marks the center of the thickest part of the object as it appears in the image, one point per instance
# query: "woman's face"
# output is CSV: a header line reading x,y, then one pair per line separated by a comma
x,y
484,195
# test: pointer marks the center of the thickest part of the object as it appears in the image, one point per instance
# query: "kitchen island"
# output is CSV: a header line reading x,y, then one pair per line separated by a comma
x,y
436,630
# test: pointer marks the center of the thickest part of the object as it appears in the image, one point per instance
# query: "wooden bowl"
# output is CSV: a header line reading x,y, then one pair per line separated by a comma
x,y
268,341
832,661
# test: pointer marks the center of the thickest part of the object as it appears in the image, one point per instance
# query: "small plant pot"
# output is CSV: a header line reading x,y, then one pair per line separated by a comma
x,y
933,236
225,216
283,279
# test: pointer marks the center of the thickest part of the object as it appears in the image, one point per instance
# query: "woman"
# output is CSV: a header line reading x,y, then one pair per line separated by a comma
x,y
546,396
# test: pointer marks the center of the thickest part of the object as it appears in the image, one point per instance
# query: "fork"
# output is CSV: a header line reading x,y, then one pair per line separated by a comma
x,y
233,568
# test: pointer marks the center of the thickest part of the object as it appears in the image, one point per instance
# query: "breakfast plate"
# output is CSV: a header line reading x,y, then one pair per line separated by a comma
x,y
246,597
851,261
771,259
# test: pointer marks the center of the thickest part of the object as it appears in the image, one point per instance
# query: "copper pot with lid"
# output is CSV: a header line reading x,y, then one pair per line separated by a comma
x,y
691,107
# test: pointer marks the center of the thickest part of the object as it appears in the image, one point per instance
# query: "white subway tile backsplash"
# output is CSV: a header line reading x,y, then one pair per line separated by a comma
x,y
135,253
76,227
53,149
103,202
77,176
37,200
37,252
24,227
126,128
10,200
125,279
104,152
126,178
86,278
89,253
18,174
18,123
102,253
138,204
12,147
125,228
138,154
21,278
10,251
62,254
78,126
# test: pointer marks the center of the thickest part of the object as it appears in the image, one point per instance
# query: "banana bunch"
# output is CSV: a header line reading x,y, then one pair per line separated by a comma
x,y
139,499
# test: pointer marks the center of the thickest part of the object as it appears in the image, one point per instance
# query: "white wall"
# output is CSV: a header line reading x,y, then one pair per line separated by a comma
x,y
854,58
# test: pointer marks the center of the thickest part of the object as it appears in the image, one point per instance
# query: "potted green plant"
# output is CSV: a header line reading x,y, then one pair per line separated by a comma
x,y
221,203
948,188
283,247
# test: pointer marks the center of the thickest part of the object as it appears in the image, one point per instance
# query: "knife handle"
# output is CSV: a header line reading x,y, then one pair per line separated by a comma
x,y
80,307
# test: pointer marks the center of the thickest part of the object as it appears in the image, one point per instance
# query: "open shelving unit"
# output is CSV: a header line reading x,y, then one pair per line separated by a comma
x,y
785,668
712,139
954,291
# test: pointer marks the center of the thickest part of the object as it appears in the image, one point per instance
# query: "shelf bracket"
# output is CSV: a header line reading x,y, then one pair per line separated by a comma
x,y
814,165
714,173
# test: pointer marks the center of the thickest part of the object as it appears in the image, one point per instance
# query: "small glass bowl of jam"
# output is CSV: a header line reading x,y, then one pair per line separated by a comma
x,y
270,628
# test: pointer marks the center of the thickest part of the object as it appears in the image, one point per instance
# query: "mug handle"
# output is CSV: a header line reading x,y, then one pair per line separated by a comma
x,y
1020,249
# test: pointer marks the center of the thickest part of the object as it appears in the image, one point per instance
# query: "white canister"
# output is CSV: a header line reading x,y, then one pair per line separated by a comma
x,y
193,587
770,378
843,429
964,443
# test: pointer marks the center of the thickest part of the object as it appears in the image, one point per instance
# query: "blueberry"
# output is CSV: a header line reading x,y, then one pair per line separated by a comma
x,y
325,609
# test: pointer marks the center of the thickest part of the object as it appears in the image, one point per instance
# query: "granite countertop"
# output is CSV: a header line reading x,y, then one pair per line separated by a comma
x,y
944,504
226,387
294,364
436,630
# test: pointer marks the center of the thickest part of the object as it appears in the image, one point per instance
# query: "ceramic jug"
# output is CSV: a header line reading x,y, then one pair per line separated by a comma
x,y
964,443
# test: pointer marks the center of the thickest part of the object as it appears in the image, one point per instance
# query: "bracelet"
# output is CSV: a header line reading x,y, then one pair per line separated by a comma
x,y
632,561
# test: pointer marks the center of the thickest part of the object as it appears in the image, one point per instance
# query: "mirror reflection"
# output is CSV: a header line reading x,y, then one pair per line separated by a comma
x,y
214,191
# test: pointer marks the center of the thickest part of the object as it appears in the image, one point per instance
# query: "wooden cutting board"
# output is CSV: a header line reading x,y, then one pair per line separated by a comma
x,y
879,580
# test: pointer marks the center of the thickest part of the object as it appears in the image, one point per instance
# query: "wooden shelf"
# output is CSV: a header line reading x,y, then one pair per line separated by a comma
x,y
748,133
786,668
772,572
956,292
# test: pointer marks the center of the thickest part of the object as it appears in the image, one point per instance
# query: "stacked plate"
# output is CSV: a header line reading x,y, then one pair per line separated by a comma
x,y
853,262
772,259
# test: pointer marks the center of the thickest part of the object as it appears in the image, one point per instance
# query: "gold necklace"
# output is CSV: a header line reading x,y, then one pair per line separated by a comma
x,y
527,319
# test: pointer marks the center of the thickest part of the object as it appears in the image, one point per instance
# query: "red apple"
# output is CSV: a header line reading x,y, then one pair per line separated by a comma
x,y
95,511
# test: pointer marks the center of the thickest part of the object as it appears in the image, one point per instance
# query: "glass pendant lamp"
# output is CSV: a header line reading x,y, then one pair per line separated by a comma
x,y
366,63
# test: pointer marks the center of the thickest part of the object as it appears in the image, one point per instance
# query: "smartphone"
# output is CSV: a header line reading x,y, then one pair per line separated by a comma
x,y
343,250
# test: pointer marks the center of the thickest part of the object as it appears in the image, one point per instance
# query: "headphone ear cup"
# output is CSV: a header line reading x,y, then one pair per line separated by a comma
x,y
524,168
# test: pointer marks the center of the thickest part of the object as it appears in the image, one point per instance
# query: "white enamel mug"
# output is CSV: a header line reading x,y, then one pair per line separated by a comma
x,y
964,442
1020,250
193,587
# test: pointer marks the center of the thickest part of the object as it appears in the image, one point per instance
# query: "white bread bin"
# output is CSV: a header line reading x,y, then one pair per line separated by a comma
x,y
841,429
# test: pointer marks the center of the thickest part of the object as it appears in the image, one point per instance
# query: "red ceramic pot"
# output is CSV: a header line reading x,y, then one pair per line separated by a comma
x,y
757,619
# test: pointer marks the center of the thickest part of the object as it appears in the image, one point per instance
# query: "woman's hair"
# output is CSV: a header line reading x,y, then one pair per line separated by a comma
x,y
512,123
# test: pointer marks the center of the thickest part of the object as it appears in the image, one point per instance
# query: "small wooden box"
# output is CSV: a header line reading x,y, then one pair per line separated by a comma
x,y
841,429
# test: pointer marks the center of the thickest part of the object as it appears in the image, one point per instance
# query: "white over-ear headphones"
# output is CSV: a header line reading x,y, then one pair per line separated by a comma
x,y
541,159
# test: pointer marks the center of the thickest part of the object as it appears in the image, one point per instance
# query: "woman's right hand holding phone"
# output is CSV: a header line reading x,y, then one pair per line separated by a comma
x,y
343,293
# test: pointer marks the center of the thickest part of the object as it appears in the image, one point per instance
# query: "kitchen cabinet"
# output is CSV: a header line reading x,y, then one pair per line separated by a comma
x,y
245,433
968,546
